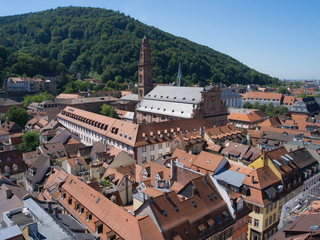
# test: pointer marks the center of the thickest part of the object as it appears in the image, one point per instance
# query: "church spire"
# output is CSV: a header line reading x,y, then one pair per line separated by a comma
x,y
179,77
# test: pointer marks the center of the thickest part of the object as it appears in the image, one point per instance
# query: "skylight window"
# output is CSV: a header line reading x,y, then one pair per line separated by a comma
x,y
164,213
98,199
209,197
194,204
176,208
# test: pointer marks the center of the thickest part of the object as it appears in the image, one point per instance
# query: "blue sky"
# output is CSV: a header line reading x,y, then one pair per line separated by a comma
x,y
277,37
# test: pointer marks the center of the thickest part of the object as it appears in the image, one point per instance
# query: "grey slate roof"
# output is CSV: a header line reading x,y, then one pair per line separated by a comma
x,y
229,176
8,102
176,94
226,93
130,97
129,115
176,109
302,144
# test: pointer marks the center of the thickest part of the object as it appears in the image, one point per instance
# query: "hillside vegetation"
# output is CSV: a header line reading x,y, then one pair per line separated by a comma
x,y
105,44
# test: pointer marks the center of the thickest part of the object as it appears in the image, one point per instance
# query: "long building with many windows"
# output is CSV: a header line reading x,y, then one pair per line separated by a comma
x,y
147,142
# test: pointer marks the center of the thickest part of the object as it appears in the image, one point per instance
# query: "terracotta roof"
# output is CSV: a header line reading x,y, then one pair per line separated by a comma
x,y
212,147
271,122
289,100
223,131
153,169
77,161
154,133
30,157
263,95
235,149
53,150
261,178
122,223
68,96
183,157
251,117
175,215
208,161
52,183
282,130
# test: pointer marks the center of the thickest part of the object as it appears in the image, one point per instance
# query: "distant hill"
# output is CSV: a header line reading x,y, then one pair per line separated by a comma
x,y
105,44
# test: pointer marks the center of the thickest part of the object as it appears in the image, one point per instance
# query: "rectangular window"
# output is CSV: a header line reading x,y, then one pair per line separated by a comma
x,y
167,144
160,155
144,159
266,223
144,149
256,223
160,146
267,210
274,217
270,220
152,147
152,158
250,220
257,209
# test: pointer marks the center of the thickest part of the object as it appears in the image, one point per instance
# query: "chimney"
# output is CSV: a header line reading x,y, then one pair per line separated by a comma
x,y
9,193
56,212
194,191
172,169
201,131
248,138
49,206
252,179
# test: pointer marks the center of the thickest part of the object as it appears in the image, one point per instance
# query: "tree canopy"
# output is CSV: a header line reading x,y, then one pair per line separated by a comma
x,y
105,44
18,115
30,141
108,111
270,110
36,98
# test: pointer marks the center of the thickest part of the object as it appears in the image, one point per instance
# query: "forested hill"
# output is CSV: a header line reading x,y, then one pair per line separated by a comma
x,y
105,44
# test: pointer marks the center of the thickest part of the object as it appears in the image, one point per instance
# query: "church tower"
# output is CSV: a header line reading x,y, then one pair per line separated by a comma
x,y
145,84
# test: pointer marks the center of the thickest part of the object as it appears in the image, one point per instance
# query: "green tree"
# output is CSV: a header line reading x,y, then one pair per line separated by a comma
x,y
108,111
18,115
269,109
36,98
30,141
247,105
256,105
283,90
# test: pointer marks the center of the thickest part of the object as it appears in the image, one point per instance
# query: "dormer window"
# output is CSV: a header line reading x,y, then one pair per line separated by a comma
x,y
6,169
15,167
145,173
89,216
31,171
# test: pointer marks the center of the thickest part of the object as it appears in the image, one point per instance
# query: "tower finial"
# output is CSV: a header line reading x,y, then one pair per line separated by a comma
x,y
179,77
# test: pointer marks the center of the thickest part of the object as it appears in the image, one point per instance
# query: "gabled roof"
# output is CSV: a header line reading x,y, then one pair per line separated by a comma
x,y
183,157
12,162
253,116
39,164
302,158
119,130
154,133
174,215
208,161
261,178
122,223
